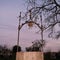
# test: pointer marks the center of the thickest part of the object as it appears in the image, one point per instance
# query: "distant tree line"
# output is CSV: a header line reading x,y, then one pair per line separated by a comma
x,y
7,54
52,55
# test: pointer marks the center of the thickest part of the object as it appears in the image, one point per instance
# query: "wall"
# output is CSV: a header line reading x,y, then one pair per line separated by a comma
x,y
29,56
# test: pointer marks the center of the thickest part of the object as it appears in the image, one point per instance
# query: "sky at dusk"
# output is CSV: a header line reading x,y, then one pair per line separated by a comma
x,y
9,12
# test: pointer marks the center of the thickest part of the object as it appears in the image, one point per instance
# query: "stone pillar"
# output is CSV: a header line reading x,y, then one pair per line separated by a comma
x,y
29,56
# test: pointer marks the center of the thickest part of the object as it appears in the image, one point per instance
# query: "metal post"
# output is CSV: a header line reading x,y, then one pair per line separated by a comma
x,y
41,32
18,31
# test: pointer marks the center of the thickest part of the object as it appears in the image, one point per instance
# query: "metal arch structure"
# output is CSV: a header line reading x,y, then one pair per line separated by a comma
x,y
42,28
32,12
26,22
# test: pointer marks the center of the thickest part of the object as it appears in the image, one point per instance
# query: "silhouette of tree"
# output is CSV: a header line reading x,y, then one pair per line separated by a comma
x,y
50,10
36,46
15,49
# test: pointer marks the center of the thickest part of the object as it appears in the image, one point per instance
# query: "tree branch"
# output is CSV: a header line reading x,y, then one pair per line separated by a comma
x,y
56,3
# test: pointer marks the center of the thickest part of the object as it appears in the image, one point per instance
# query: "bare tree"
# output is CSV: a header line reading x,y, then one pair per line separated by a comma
x,y
50,11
